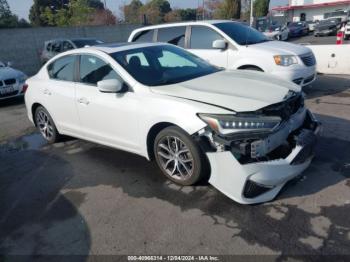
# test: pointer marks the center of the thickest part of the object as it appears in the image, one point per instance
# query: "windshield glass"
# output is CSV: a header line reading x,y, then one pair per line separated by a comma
x,y
86,42
242,34
162,65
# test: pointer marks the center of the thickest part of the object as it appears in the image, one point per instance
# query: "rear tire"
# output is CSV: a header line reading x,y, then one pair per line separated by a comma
x,y
180,157
46,125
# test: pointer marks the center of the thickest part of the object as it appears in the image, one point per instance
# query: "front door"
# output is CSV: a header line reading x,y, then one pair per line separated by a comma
x,y
108,118
201,44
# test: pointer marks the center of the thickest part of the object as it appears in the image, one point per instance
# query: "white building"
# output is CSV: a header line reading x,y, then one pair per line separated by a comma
x,y
311,10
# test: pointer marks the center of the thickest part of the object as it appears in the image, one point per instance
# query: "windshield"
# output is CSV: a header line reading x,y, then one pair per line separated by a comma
x,y
86,42
242,34
162,65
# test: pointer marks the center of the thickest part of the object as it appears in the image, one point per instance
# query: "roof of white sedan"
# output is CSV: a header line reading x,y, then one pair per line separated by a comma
x,y
117,47
200,22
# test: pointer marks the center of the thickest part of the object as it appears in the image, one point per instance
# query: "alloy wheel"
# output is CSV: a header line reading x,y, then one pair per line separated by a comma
x,y
175,157
44,124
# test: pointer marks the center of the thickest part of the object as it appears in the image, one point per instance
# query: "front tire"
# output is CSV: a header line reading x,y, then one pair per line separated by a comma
x,y
46,125
179,157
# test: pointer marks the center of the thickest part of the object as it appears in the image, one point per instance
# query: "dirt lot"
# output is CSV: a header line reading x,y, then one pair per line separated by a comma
x,y
76,197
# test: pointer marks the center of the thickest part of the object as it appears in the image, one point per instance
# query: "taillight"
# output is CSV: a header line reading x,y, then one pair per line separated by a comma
x,y
24,88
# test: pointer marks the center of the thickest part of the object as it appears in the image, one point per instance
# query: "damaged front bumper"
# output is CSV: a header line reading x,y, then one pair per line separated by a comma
x,y
267,164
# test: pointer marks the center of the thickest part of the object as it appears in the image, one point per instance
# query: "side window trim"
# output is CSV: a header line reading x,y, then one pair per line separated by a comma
x,y
155,35
188,37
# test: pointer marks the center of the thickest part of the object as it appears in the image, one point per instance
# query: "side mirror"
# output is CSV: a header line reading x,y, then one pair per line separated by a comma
x,y
220,44
9,64
110,86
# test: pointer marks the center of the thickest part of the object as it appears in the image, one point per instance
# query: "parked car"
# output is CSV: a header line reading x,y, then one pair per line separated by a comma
x,y
277,32
312,25
12,82
56,46
297,29
327,27
249,132
233,45
347,30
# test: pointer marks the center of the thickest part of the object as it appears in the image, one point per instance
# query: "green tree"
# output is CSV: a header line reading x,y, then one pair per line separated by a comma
x,y
188,14
230,9
7,19
155,11
39,7
132,13
40,15
261,8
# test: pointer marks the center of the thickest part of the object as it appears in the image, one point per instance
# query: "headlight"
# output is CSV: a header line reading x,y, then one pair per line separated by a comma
x,y
227,124
285,60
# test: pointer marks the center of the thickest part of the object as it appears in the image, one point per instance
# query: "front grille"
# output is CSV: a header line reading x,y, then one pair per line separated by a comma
x,y
253,189
308,59
286,108
10,81
9,94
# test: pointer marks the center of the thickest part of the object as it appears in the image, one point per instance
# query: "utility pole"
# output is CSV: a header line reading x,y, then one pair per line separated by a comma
x,y
203,14
251,12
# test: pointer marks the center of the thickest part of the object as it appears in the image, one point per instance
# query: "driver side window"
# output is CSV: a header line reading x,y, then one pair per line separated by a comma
x,y
94,69
203,37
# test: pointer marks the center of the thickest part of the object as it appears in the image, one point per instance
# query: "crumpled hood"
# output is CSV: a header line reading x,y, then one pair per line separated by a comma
x,y
236,90
280,48
8,72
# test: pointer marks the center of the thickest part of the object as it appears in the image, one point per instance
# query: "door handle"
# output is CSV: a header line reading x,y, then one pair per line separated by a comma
x,y
83,100
47,92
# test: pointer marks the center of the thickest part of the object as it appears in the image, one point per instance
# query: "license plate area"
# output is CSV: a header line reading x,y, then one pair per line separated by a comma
x,y
7,90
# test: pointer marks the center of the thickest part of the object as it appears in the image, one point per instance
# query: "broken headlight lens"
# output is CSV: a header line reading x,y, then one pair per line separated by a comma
x,y
227,124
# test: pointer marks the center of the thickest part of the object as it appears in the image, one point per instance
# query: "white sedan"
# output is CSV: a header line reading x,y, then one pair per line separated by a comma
x,y
247,132
12,82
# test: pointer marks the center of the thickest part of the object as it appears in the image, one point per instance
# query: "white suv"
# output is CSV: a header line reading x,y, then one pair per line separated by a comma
x,y
234,45
248,131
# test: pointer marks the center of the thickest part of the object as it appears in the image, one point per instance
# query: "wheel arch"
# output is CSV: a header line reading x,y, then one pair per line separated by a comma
x,y
151,136
242,67
33,109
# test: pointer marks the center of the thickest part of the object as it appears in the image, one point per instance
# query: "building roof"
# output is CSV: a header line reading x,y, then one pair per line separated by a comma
x,y
292,7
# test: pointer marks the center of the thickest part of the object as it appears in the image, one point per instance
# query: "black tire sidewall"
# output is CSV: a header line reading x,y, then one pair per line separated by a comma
x,y
56,135
200,161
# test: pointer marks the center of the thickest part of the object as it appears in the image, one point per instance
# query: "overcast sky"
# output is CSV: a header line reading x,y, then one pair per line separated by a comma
x,y
21,7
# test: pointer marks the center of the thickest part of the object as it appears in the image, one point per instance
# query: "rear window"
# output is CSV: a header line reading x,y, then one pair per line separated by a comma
x,y
172,35
144,36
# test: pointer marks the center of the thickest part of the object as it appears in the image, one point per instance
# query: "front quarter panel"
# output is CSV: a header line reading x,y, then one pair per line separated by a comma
x,y
176,111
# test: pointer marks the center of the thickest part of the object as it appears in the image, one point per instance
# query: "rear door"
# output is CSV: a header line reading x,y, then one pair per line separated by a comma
x,y
172,35
201,44
60,93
